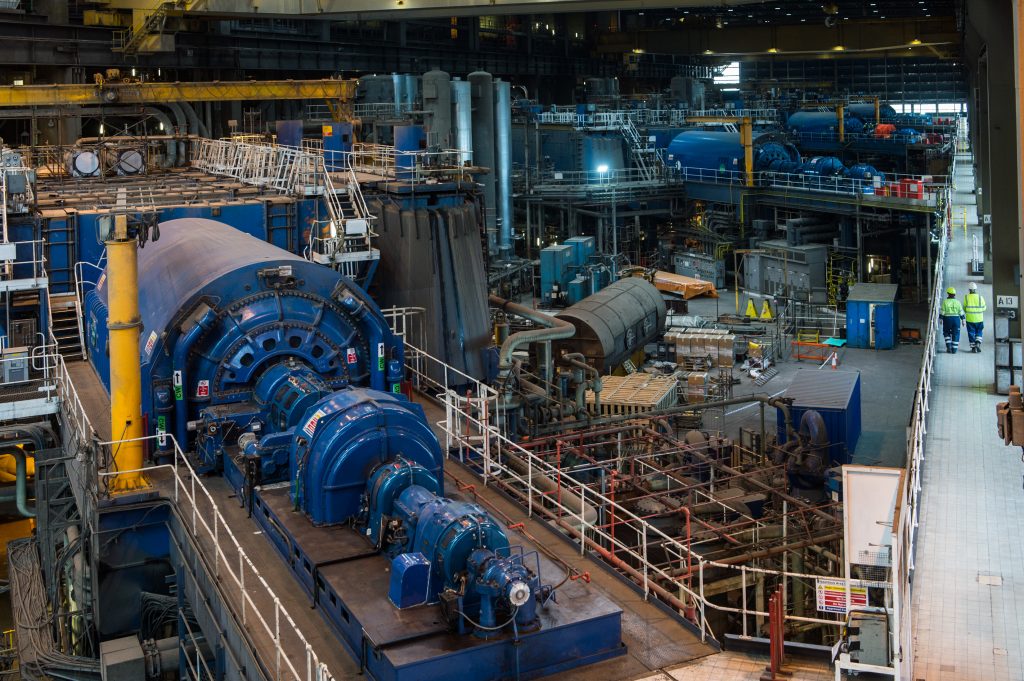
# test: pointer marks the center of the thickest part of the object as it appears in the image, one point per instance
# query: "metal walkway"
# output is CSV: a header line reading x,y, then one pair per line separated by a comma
x,y
968,598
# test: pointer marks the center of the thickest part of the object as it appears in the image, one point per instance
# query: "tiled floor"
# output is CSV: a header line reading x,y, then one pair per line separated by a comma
x,y
730,666
968,600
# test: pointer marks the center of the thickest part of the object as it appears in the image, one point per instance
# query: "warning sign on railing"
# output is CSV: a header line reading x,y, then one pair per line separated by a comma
x,y
832,596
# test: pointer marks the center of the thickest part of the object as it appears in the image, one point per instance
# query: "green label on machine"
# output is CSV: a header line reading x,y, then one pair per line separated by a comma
x,y
161,423
380,357
396,388
178,393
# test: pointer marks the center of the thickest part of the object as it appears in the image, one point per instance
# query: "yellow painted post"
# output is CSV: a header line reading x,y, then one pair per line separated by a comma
x,y
736,274
841,121
965,223
747,139
878,112
125,377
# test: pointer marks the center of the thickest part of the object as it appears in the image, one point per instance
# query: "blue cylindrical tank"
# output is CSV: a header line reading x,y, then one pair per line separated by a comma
x,y
866,111
219,308
723,151
803,122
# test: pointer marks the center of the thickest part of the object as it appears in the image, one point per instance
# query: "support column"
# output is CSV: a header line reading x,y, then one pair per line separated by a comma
x,y
123,322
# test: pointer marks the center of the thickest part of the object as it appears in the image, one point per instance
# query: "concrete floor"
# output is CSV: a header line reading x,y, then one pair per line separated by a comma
x,y
888,380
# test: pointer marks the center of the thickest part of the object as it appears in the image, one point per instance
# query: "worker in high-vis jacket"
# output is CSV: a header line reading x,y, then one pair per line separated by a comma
x,y
952,314
974,309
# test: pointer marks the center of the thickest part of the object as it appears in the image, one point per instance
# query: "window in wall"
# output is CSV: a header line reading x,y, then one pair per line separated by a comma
x,y
730,75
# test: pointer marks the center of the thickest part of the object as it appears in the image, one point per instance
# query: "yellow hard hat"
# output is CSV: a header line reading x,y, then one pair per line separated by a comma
x,y
951,291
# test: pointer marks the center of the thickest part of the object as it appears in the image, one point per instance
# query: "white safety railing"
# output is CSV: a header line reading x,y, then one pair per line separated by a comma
x,y
234,569
923,190
906,520
345,238
474,430
408,167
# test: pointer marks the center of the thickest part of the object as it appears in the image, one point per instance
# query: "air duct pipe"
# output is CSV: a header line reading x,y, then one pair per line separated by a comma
x,y
482,93
555,329
183,128
437,105
463,120
503,144
193,118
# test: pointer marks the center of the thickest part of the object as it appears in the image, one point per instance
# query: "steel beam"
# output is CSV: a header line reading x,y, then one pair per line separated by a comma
x,y
161,93
403,9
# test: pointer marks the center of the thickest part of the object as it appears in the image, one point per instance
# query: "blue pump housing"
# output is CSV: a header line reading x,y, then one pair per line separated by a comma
x,y
723,151
803,122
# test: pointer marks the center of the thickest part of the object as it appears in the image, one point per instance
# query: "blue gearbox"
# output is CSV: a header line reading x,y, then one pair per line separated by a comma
x,y
450,552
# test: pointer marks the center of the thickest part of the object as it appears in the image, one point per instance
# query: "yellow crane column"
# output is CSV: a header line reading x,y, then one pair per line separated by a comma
x,y
747,140
878,112
841,120
124,324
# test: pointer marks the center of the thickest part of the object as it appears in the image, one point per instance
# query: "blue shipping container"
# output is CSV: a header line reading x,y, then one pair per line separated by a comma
x,y
836,396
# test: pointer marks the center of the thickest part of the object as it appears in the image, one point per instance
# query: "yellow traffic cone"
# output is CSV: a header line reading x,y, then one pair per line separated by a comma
x,y
766,312
751,309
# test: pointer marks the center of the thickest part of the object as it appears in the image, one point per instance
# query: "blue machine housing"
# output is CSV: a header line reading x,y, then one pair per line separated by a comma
x,y
803,122
866,111
722,151
222,307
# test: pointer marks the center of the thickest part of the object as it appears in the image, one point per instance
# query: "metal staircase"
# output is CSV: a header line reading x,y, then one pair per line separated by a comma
x,y
129,41
645,156
66,324
344,239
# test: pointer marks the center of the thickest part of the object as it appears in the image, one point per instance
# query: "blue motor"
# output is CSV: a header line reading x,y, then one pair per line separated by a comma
x,y
823,166
866,111
450,552
863,171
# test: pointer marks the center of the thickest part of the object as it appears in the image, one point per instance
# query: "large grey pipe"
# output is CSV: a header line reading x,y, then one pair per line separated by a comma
x,y
183,128
463,120
554,329
437,104
398,86
482,92
503,152
197,125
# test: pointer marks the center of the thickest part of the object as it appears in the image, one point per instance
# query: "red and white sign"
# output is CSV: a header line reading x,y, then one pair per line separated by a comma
x,y
203,389
310,428
832,596
350,355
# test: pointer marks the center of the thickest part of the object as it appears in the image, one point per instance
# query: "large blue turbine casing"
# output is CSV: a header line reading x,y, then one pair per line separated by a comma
x,y
714,150
866,112
803,122
220,307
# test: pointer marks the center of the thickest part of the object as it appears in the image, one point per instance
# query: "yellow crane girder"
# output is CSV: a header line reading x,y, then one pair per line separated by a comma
x,y
117,92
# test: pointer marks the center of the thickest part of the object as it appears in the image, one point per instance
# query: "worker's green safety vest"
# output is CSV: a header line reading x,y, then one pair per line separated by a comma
x,y
974,308
951,307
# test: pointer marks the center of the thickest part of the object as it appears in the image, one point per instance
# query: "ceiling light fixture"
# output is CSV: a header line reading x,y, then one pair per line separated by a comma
x,y
915,41
708,52
838,48
773,50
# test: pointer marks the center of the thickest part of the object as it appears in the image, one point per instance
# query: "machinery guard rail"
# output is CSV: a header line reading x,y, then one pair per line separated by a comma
x,y
469,427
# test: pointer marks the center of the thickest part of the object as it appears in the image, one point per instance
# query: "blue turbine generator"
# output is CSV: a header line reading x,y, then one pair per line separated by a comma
x,y
278,367
723,152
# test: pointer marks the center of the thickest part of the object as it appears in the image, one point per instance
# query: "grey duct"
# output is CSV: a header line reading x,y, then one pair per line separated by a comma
x,y
195,124
463,120
482,93
554,329
411,91
503,152
437,105
179,116
398,86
